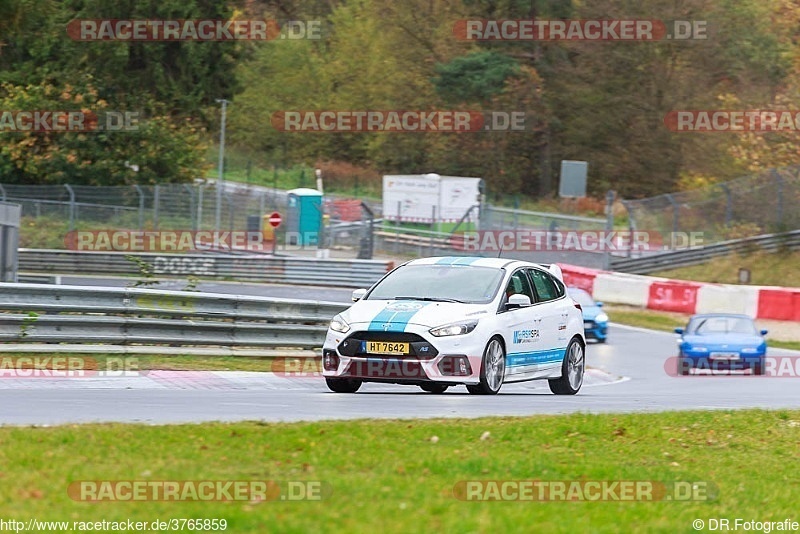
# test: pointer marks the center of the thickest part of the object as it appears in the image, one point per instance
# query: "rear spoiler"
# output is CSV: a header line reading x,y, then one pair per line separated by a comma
x,y
555,270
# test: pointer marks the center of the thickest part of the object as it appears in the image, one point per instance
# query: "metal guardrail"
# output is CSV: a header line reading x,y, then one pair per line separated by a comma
x,y
695,256
35,313
250,268
400,240
9,240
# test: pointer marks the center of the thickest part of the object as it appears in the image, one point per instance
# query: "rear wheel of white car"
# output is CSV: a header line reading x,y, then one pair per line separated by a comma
x,y
493,369
572,370
343,385
434,388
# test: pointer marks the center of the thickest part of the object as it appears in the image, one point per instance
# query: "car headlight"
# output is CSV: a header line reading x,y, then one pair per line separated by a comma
x,y
454,329
339,325
698,349
750,350
601,318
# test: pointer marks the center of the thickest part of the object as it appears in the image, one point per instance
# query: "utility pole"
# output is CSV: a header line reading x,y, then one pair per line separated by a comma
x,y
220,177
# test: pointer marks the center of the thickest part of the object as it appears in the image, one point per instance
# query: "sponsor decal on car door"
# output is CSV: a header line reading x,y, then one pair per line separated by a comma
x,y
553,320
523,330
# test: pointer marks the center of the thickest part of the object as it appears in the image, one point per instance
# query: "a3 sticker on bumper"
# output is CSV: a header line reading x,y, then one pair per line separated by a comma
x,y
395,316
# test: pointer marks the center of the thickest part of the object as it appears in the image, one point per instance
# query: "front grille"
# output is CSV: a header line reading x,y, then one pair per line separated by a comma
x,y
419,349
387,369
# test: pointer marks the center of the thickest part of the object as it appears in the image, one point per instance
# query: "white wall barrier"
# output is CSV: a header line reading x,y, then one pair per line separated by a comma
x,y
618,288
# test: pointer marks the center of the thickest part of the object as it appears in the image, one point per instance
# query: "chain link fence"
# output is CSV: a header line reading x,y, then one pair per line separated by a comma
x,y
58,209
352,227
753,205
173,206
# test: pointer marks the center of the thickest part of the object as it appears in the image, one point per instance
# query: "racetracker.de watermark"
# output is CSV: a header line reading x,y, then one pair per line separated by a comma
x,y
164,240
773,366
193,30
198,490
580,240
724,120
355,121
584,490
579,30
66,121
291,367
65,366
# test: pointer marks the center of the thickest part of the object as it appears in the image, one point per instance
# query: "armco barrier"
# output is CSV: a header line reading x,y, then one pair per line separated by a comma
x,y
781,303
699,255
246,268
85,314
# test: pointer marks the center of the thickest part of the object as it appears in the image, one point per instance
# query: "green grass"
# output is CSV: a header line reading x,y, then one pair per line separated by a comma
x,y
49,232
655,320
101,362
391,476
769,269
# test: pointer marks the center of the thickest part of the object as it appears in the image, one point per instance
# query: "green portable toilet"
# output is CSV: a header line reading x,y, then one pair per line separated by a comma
x,y
303,216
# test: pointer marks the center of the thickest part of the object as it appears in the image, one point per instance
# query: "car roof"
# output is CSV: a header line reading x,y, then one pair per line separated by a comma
x,y
475,261
731,315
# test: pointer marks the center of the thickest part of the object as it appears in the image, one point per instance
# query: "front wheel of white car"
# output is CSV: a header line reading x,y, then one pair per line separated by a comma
x,y
343,385
436,389
493,369
572,370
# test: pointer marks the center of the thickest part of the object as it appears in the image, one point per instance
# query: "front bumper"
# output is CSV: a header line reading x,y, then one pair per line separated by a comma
x,y
593,330
704,361
450,359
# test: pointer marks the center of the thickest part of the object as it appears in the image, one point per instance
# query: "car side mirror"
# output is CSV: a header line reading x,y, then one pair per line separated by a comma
x,y
358,294
764,332
679,330
518,301
599,304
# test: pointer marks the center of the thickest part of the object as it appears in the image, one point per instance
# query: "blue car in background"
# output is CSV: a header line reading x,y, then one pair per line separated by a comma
x,y
721,341
595,320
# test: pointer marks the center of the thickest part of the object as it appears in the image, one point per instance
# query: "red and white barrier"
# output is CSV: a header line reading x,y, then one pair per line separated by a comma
x,y
765,302
581,277
781,303
673,295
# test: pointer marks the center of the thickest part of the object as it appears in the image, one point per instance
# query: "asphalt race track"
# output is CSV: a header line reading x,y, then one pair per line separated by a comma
x,y
629,374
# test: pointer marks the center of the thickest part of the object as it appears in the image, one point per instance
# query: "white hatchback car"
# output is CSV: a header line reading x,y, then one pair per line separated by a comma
x,y
440,322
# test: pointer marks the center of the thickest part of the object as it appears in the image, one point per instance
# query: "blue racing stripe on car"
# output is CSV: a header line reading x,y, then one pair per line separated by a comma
x,y
515,359
395,317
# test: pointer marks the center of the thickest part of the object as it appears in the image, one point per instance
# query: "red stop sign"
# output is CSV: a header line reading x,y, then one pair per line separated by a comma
x,y
275,219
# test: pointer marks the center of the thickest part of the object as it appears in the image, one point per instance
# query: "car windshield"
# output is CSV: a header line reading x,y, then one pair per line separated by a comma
x,y
459,283
721,325
581,297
